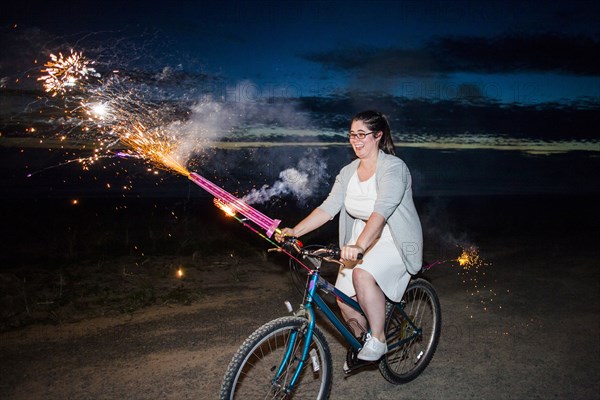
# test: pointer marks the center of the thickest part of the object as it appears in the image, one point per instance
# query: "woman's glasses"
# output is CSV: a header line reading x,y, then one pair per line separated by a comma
x,y
359,135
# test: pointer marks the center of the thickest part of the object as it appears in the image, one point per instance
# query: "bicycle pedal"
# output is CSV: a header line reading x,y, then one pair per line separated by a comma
x,y
358,365
353,363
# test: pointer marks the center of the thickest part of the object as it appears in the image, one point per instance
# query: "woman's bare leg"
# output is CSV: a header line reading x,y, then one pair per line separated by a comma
x,y
371,300
349,314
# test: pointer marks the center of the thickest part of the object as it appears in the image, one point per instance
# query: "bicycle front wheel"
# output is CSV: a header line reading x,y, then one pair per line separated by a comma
x,y
411,341
277,346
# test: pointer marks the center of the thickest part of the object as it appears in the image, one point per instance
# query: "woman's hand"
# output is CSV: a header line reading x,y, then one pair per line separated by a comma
x,y
351,252
282,233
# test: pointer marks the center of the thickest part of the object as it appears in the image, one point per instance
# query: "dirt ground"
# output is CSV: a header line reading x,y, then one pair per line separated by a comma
x,y
524,325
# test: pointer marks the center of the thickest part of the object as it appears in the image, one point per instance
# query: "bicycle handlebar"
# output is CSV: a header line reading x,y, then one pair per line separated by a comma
x,y
330,252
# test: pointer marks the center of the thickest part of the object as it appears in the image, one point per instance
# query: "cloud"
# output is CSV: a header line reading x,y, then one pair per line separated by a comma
x,y
576,55
511,53
577,119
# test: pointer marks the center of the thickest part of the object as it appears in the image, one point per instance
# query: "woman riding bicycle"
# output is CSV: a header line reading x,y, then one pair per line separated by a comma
x,y
378,219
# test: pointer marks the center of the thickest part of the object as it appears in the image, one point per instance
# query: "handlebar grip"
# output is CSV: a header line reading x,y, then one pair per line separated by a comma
x,y
338,253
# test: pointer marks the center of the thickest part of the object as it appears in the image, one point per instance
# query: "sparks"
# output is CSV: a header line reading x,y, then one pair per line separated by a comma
x,y
65,73
468,257
122,114
111,107
225,207
153,145
99,110
268,224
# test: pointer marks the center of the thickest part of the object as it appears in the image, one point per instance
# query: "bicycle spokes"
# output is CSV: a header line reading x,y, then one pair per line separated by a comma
x,y
412,330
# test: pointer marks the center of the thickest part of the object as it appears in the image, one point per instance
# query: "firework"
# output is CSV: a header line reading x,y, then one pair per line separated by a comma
x,y
65,73
112,108
474,275
225,207
235,204
469,257
154,145
125,114
231,212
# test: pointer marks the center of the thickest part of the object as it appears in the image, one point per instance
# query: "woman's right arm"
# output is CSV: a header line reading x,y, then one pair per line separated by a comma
x,y
320,215
314,220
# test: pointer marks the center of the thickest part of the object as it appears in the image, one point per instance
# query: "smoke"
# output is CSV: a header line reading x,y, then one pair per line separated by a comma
x,y
301,182
207,122
440,226
237,113
245,113
290,181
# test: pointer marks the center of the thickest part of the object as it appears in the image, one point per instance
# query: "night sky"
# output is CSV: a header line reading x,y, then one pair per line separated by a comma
x,y
507,51
451,75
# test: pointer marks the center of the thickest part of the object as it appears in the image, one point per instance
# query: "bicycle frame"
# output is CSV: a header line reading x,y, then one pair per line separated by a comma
x,y
315,281
401,332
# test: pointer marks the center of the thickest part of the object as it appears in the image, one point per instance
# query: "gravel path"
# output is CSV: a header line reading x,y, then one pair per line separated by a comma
x,y
532,332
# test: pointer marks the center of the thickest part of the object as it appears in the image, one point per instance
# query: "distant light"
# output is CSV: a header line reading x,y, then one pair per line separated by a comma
x,y
74,202
180,273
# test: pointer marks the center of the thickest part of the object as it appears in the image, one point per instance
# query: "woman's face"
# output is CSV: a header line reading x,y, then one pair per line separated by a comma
x,y
367,146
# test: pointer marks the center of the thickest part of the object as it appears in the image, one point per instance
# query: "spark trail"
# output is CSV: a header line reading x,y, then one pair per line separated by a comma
x,y
473,274
117,111
469,258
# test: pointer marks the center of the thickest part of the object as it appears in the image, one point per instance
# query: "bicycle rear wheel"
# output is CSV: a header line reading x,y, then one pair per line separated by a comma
x,y
404,362
251,372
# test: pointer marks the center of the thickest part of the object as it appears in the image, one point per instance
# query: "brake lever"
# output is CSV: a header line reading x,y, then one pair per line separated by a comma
x,y
327,254
292,243
333,260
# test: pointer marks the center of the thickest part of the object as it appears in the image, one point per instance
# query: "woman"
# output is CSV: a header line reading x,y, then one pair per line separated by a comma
x,y
378,219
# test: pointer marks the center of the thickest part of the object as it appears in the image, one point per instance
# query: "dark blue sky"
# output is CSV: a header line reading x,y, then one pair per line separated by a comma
x,y
451,75
508,51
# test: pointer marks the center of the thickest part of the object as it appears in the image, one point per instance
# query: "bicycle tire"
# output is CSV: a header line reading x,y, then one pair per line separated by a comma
x,y
406,362
252,368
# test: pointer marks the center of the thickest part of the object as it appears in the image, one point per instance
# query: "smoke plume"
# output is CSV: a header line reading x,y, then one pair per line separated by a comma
x,y
301,182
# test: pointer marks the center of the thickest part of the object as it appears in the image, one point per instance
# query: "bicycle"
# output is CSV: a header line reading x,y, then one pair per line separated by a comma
x,y
290,357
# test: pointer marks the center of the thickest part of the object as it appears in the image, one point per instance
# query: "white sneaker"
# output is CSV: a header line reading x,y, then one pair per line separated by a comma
x,y
373,349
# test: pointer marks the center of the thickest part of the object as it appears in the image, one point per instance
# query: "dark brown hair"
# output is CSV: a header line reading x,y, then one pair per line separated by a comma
x,y
377,122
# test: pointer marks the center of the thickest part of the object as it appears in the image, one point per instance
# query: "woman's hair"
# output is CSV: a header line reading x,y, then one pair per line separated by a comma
x,y
377,122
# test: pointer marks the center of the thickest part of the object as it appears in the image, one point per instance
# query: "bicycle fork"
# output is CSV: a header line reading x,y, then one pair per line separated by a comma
x,y
289,356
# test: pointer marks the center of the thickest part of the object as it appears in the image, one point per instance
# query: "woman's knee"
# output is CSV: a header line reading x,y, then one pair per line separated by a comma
x,y
362,278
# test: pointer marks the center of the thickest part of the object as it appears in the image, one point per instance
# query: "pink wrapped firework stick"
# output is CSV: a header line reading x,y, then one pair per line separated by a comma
x,y
266,223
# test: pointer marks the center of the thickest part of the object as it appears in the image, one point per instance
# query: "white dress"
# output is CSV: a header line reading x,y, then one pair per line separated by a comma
x,y
382,260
